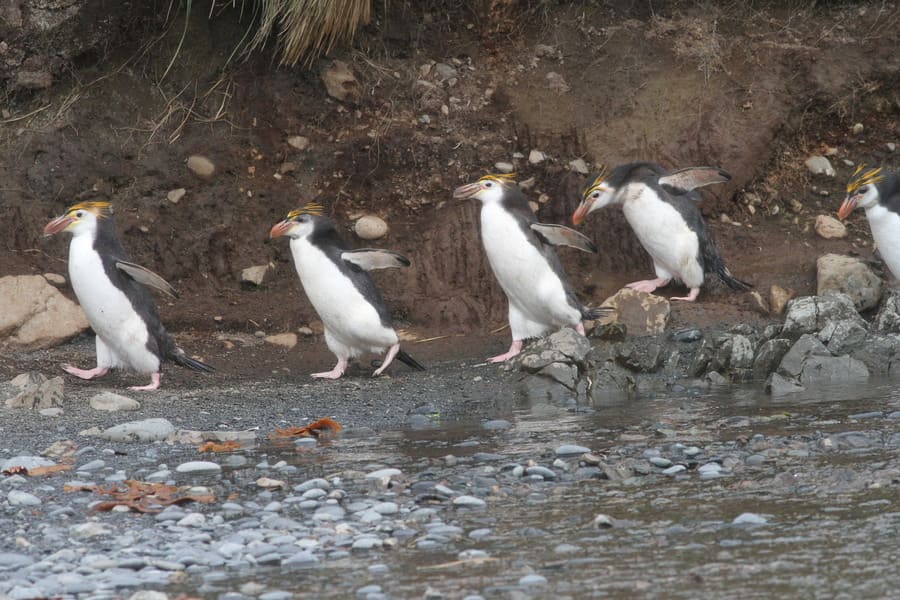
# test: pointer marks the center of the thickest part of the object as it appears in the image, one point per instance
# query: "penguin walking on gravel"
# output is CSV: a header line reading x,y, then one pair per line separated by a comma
x,y
112,293
341,291
660,209
520,252
879,193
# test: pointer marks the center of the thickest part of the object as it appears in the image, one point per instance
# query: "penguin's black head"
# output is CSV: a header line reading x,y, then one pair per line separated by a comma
x,y
80,219
489,188
299,223
862,190
596,194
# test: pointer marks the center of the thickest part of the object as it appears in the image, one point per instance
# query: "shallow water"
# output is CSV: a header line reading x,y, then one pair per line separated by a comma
x,y
827,485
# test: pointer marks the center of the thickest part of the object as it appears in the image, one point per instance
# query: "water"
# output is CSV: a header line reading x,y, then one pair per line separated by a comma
x,y
826,484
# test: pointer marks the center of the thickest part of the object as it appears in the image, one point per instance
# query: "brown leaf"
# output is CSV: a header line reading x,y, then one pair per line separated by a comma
x,y
38,471
322,429
226,446
141,496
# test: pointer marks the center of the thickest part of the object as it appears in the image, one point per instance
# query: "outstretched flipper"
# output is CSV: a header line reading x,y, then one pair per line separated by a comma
x,y
691,178
146,276
560,235
370,259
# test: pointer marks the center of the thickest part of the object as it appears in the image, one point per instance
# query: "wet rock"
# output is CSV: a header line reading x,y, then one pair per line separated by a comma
x,y
19,498
850,276
819,165
880,353
686,336
201,166
642,313
175,196
35,314
778,299
340,82
148,430
610,332
285,340
642,356
843,336
496,425
469,502
792,363
370,227
532,581
562,373
818,370
110,402
778,385
830,228
611,379
888,317
255,275
810,314
567,449
733,351
298,142
198,466
769,356
749,519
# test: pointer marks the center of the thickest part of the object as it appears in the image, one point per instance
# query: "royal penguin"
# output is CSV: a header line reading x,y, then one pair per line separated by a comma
x,y
337,283
879,193
521,253
111,290
659,206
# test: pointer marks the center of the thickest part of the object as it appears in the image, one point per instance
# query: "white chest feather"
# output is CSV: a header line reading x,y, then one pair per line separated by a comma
x,y
661,230
108,309
885,227
523,273
344,311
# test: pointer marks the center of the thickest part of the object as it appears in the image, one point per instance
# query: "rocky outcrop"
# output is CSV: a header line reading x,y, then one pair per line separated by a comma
x,y
640,312
837,274
35,314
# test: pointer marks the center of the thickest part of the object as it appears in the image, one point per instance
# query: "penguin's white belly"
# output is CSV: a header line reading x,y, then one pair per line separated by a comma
x,y
346,314
109,311
529,282
885,227
665,235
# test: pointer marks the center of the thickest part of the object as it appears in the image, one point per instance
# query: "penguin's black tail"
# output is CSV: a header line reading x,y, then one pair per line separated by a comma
x,y
180,358
730,280
408,360
598,312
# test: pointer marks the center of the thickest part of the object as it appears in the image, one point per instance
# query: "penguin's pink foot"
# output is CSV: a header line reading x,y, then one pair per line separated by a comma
x,y
387,360
85,373
647,285
580,328
690,297
154,384
514,349
335,373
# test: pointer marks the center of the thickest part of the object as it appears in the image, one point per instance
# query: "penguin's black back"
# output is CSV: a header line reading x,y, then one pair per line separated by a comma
x,y
327,239
889,192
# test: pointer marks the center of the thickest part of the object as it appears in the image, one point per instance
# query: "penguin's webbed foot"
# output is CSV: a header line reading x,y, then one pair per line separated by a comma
x,y
514,349
84,373
154,384
392,352
690,297
647,285
335,373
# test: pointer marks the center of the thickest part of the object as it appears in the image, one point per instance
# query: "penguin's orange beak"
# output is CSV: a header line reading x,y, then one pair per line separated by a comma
x,y
280,229
847,207
466,191
582,211
58,224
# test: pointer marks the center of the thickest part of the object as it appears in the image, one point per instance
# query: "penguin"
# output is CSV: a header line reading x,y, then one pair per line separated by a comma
x,y
879,193
520,252
341,291
660,208
112,293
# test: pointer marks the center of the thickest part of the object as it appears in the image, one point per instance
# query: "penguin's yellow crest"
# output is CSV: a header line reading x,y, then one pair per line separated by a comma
x,y
597,183
501,178
310,208
862,177
101,210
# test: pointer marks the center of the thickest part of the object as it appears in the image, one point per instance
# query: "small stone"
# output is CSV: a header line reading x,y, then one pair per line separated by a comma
x,y
567,449
504,167
370,227
285,340
148,430
110,402
384,473
55,279
830,228
298,142
557,83
659,461
255,275
819,165
749,518
269,483
674,470
496,425
536,157
602,521
837,273
201,166
579,166
778,298
857,128
19,498
533,580
175,196
469,502
891,146
340,82
198,466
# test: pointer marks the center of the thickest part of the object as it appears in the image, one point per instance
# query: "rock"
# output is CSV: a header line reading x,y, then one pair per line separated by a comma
x,y
830,228
298,142
579,166
35,314
778,299
791,364
198,466
819,165
832,369
857,128
891,146
749,519
285,340
33,80
567,449
201,166
19,498
341,83
55,279
111,402
384,473
543,50
769,356
848,275
843,336
148,430
809,314
778,385
642,313
175,196
255,275
370,227
760,305
469,502
25,462
888,317
504,167
611,380
562,373
444,72
640,355
33,391
557,83
536,157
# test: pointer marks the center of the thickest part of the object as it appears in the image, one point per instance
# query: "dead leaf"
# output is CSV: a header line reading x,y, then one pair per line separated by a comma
x,y
322,429
38,471
141,496
226,446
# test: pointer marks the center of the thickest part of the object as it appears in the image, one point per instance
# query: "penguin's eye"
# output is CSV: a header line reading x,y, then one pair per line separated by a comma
x,y
488,184
79,214
863,189
595,195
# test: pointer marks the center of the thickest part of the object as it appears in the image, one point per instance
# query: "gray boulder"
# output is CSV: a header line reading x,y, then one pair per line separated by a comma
x,y
792,364
611,380
880,352
888,317
33,391
810,363
770,354
35,314
838,274
842,337
564,346
778,385
643,356
809,314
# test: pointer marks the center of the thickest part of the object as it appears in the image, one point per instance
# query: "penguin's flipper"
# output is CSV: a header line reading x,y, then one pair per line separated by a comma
x,y
370,259
560,235
146,276
691,178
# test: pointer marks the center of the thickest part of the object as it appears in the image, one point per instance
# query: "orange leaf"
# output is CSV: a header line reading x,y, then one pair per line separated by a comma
x,y
323,428
226,446
38,471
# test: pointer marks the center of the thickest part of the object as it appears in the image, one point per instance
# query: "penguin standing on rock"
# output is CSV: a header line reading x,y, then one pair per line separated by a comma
x,y
335,280
659,207
111,292
879,194
520,251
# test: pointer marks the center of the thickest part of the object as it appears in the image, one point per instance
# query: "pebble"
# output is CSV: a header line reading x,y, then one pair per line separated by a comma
x,y
541,471
536,157
469,501
749,518
201,166
496,425
17,498
659,461
370,227
110,402
567,449
579,166
384,473
675,470
148,430
298,142
198,466
504,167
533,581
819,165
26,462
175,196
